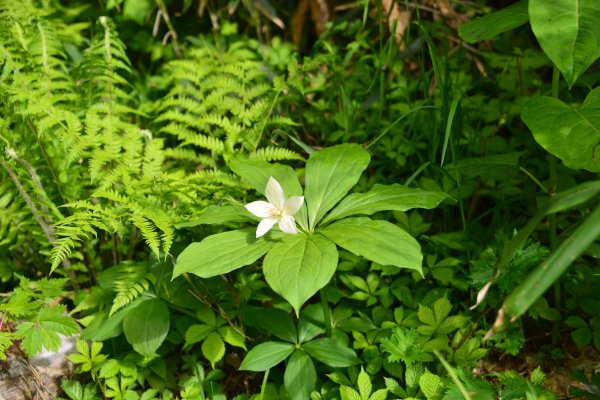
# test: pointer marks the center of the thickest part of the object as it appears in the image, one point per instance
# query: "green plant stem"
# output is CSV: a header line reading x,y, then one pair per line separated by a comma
x,y
172,32
386,130
533,178
46,228
553,167
326,314
540,279
263,387
453,376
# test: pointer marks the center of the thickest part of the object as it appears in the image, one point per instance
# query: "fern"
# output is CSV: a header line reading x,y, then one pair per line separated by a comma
x,y
220,104
132,280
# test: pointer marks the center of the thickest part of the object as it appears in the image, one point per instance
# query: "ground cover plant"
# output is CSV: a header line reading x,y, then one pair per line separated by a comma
x,y
303,200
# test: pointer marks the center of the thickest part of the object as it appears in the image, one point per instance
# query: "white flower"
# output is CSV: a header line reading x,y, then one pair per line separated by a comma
x,y
276,210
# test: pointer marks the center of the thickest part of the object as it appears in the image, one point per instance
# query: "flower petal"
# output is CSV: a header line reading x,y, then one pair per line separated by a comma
x,y
265,226
287,224
292,205
274,193
261,209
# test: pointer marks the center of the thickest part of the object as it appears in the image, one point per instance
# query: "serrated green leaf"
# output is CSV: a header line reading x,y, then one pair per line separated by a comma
x,y
6,341
379,241
348,393
44,330
109,369
339,378
385,197
432,386
537,377
330,174
232,336
354,281
380,394
20,303
222,253
87,356
394,387
441,309
213,348
364,384
452,323
197,333
299,265
426,315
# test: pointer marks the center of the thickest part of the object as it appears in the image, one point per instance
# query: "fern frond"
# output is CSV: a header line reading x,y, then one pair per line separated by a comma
x,y
271,153
132,280
147,230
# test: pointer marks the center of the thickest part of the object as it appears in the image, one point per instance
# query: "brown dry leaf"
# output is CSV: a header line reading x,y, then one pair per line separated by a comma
x,y
268,11
397,20
320,13
298,20
444,7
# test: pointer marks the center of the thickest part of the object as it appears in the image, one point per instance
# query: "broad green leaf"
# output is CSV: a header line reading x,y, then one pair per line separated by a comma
x,y
379,241
331,352
569,33
299,265
575,322
311,323
102,327
147,327
137,10
222,253
219,215
570,133
266,355
257,174
545,274
497,166
213,348
273,320
300,376
493,24
330,174
44,328
385,197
